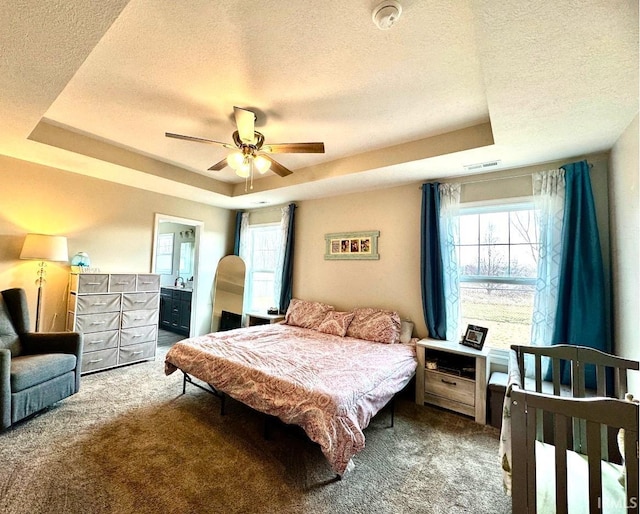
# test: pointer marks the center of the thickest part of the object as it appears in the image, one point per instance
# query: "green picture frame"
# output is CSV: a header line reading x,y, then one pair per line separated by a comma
x,y
352,245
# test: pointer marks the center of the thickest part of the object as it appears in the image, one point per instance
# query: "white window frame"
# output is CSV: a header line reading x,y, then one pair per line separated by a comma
x,y
162,255
487,207
250,269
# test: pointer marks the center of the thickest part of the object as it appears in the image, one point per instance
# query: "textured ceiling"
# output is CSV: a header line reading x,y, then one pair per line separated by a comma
x,y
92,88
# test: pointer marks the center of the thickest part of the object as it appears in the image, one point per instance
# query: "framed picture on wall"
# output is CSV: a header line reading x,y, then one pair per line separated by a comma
x,y
352,245
475,336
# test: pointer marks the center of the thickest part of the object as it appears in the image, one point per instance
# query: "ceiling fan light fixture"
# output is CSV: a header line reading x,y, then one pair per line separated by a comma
x,y
244,170
235,160
262,164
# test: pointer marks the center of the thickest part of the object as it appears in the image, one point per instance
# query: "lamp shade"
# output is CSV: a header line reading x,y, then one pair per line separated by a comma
x,y
45,248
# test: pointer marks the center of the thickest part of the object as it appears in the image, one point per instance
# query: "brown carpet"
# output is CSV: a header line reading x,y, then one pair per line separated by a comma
x,y
129,442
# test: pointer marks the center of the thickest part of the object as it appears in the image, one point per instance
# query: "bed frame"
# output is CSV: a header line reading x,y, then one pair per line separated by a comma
x,y
571,417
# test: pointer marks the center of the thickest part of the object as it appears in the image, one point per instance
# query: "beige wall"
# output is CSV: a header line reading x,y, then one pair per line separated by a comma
x,y
625,251
391,282
394,281
114,224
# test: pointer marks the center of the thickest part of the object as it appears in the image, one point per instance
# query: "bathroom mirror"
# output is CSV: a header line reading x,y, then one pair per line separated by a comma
x,y
228,294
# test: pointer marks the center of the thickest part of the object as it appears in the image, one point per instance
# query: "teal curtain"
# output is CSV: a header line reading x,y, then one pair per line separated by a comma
x,y
236,242
286,291
580,316
431,265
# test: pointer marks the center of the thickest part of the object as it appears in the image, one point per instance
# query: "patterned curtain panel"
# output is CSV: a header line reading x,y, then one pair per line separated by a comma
x,y
438,263
286,283
282,250
449,238
549,192
243,252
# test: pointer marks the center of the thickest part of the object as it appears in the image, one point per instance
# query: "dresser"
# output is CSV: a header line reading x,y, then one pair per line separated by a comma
x,y
118,316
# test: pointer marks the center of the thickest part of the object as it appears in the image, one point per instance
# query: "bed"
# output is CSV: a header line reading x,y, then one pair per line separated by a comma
x,y
560,445
329,382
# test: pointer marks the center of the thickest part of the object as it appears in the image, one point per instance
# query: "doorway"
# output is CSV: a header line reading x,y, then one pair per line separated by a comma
x,y
175,257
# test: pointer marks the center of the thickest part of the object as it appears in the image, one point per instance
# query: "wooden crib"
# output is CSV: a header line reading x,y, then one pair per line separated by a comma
x,y
563,436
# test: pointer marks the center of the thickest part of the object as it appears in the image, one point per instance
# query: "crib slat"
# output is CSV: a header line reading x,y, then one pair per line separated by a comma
x,y
560,437
531,459
595,470
622,382
518,442
538,373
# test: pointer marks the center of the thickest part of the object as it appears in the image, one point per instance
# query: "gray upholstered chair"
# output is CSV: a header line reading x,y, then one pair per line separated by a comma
x,y
37,369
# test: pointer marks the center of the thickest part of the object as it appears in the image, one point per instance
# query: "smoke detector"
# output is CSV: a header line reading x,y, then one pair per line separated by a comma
x,y
386,14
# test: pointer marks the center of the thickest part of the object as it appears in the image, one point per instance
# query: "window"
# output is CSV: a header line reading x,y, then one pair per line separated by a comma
x,y
263,245
498,260
164,254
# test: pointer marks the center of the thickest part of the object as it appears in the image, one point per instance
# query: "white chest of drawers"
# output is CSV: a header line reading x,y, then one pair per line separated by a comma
x,y
118,315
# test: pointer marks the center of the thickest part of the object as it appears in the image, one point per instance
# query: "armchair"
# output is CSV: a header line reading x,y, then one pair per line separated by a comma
x,y
36,369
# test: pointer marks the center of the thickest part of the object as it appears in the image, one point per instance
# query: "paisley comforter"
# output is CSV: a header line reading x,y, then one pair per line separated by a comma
x,y
331,386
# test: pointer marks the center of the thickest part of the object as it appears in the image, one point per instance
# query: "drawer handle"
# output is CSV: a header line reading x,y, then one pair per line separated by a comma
x,y
93,361
136,335
448,382
138,319
97,341
99,304
146,283
122,283
139,301
137,353
93,283
98,322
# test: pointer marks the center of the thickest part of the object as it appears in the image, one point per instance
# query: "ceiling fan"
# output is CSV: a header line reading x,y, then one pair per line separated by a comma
x,y
249,151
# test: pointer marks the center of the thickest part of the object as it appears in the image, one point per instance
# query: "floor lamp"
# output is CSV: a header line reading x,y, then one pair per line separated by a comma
x,y
43,248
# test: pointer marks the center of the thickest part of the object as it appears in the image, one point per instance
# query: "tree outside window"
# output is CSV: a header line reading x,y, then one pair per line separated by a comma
x,y
498,260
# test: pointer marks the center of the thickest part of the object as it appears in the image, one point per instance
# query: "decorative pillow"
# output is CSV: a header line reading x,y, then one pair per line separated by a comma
x,y
375,325
336,323
406,331
302,313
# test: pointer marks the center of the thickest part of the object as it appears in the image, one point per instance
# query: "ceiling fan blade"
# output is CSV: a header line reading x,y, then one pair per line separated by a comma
x,y
245,121
294,148
278,168
219,165
198,140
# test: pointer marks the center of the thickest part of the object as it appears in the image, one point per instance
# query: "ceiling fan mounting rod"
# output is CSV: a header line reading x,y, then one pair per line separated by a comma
x,y
256,145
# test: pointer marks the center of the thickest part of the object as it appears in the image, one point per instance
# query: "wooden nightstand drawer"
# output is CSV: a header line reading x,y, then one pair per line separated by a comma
x,y
450,386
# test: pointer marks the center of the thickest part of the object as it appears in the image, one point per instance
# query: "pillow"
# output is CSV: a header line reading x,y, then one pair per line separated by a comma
x,y
376,325
336,323
302,313
406,331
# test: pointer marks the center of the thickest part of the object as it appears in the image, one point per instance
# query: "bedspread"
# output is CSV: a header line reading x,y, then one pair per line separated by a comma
x,y
330,386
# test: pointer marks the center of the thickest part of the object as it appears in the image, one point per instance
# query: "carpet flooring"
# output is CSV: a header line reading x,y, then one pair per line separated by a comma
x,y
130,442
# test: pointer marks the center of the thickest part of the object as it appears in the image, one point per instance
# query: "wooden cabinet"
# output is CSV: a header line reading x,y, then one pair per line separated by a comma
x,y
452,376
175,310
118,316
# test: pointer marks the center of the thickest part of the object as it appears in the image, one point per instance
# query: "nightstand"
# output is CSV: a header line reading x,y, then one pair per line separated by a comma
x,y
257,318
453,376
